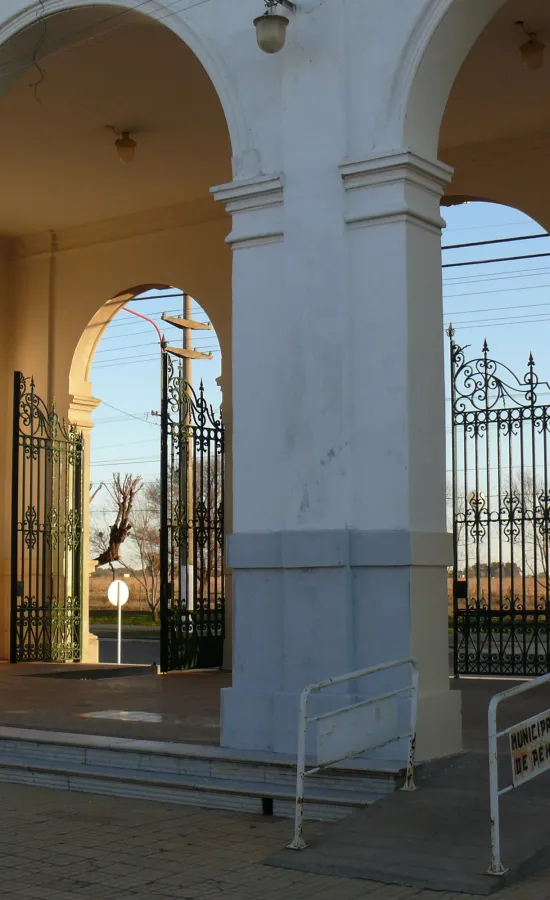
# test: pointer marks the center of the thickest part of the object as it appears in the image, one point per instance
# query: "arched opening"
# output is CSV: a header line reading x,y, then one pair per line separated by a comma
x,y
77,224
481,116
119,361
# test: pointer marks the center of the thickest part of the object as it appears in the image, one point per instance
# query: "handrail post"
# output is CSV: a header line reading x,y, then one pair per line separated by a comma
x,y
496,867
298,842
409,777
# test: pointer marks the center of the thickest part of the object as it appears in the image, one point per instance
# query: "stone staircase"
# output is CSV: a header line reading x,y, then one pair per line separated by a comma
x,y
193,774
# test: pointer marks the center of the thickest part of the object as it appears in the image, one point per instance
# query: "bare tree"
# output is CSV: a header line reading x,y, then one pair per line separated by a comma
x,y
529,501
107,542
456,517
144,546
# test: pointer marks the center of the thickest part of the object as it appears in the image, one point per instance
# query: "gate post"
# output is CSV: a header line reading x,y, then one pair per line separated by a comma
x,y
163,549
18,386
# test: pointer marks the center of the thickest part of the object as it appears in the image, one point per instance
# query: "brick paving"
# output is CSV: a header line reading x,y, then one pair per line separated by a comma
x,y
59,846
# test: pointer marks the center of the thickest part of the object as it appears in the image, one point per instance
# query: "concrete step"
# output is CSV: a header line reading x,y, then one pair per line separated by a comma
x,y
192,774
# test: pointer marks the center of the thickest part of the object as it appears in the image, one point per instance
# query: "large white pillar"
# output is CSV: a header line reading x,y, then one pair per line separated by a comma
x,y
397,465
339,549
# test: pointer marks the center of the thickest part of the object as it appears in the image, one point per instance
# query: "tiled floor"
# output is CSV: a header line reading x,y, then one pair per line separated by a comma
x,y
58,846
181,706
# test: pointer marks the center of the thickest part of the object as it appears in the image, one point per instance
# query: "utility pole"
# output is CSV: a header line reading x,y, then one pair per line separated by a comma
x,y
187,474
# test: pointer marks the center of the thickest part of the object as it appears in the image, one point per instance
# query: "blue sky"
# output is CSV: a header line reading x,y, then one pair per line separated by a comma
x,y
126,377
505,302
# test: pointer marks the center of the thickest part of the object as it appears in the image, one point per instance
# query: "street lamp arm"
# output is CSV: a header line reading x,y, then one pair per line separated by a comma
x,y
147,319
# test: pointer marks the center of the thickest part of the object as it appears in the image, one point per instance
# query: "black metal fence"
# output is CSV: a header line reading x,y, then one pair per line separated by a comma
x,y
46,568
192,602
501,517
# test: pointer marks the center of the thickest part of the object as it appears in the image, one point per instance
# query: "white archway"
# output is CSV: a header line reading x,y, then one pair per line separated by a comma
x,y
435,51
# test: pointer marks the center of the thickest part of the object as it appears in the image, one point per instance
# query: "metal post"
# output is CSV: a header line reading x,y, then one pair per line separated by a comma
x,y
163,548
496,867
18,383
119,636
298,842
187,476
409,778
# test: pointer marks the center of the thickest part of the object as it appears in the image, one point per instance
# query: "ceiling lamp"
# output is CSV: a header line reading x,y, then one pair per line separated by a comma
x,y
271,27
125,147
532,51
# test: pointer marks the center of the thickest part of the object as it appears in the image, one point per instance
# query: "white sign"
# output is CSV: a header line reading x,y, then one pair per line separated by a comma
x,y
530,748
118,592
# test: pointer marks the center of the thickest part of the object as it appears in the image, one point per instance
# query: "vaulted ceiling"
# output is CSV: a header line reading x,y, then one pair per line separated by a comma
x,y
101,66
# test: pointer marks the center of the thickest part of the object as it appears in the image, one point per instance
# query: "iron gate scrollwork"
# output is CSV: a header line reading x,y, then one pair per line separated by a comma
x,y
501,517
192,601
46,566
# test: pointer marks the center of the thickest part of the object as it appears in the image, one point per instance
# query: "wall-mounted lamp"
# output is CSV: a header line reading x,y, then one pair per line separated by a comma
x,y
125,145
532,51
271,27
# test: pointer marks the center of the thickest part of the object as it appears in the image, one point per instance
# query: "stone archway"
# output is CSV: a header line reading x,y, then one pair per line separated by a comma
x,y
76,225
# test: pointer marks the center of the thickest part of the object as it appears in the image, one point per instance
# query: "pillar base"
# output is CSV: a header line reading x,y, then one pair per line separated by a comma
x,y
314,605
90,648
256,720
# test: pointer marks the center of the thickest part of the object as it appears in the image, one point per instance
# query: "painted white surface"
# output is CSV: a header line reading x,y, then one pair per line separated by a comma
x,y
338,415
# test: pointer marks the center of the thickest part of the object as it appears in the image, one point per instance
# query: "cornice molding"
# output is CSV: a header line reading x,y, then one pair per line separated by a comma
x,y
256,205
81,408
395,186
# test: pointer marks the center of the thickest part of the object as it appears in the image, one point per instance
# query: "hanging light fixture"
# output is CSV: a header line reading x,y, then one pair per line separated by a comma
x,y
125,147
532,51
271,27
125,144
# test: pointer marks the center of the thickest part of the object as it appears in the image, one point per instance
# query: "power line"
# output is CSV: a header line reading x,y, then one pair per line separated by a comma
x,y
498,309
506,240
131,360
499,324
131,415
494,225
486,262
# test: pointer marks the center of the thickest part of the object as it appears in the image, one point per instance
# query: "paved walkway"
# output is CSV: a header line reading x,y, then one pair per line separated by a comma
x,y
58,846
436,838
186,705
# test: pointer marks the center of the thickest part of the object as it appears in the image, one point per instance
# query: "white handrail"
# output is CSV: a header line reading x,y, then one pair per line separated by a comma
x,y
496,867
298,842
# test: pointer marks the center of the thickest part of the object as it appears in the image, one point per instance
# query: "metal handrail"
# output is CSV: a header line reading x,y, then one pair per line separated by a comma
x,y
496,867
298,842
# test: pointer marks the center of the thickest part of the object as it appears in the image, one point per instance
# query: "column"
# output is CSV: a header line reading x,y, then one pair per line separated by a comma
x,y
339,549
81,408
401,548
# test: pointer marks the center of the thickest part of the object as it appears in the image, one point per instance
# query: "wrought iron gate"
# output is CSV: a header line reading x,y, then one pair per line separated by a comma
x,y
501,517
192,608
46,567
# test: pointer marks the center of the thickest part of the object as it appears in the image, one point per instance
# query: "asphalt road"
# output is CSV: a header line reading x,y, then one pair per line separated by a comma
x,y
138,648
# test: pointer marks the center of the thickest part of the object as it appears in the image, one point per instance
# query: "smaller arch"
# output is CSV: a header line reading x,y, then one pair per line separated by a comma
x,y
81,364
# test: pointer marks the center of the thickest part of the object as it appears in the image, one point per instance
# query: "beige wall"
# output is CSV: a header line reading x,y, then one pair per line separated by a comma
x,y
53,286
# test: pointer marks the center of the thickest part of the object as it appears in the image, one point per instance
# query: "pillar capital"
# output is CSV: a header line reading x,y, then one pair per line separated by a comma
x,y
81,408
398,186
256,205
